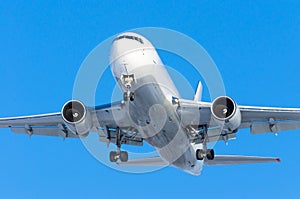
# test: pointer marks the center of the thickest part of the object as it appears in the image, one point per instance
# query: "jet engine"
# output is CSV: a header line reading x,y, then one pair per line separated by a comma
x,y
226,113
77,117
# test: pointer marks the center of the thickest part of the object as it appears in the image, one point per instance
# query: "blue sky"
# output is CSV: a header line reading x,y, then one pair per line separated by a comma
x,y
43,43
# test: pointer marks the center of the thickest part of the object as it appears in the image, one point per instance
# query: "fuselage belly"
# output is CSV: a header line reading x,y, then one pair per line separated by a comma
x,y
152,110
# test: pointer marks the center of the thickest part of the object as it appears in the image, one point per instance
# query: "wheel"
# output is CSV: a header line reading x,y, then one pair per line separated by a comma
x,y
124,156
210,154
200,154
131,96
113,156
125,96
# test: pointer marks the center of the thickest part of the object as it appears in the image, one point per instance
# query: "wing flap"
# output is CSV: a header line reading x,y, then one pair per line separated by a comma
x,y
221,160
45,131
265,127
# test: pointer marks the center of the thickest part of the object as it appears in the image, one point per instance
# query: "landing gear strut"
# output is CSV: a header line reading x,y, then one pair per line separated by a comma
x,y
201,154
127,81
204,152
114,156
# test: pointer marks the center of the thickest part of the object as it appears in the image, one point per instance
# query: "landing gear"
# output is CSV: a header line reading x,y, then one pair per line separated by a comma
x,y
124,156
125,96
210,154
128,81
131,96
204,152
128,95
114,156
201,154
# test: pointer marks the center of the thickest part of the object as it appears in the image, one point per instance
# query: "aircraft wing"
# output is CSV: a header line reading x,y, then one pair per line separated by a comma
x,y
105,116
258,119
46,124
267,119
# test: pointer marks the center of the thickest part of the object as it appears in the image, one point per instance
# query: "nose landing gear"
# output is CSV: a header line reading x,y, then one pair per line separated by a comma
x,y
127,81
128,95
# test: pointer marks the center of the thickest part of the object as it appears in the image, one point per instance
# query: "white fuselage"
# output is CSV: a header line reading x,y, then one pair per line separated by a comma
x,y
152,110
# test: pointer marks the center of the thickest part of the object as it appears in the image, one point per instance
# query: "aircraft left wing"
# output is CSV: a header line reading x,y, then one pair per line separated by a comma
x,y
45,124
107,117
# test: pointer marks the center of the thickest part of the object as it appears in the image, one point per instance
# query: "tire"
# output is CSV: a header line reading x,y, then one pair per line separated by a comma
x,y
200,154
112,156
210,154
131,96
124,156
125,96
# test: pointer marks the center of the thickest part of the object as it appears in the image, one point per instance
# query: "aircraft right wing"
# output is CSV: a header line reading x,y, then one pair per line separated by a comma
x,y
258,119
269,119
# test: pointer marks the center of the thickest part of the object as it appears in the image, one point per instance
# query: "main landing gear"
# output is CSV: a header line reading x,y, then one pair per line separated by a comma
x,y
114,156
204,152
201,154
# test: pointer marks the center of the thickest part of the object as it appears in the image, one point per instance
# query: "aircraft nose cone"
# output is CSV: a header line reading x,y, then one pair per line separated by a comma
x,y
128,42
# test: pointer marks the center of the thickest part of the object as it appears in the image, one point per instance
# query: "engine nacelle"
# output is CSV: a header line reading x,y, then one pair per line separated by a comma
x,y
226,113
77,117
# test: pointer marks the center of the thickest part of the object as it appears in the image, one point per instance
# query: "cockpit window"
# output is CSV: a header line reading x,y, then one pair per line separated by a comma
x,y
129,37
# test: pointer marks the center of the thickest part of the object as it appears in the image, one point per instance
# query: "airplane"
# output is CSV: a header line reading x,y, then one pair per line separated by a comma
x,y
153,111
